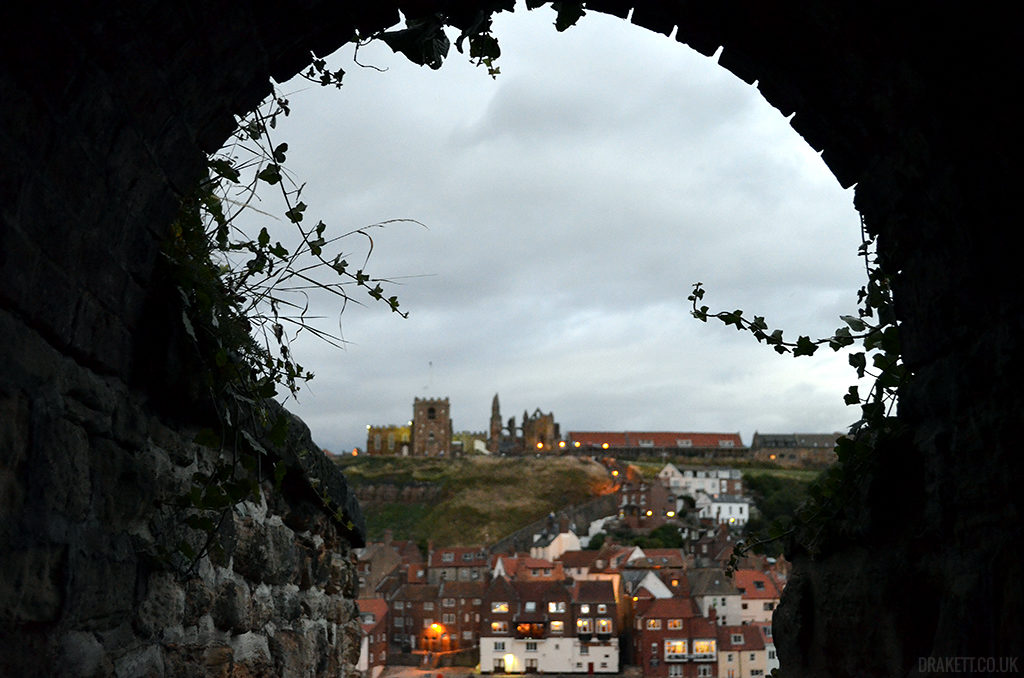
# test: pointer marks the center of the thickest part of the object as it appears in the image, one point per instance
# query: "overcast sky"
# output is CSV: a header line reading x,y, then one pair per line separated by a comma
x,y
569,206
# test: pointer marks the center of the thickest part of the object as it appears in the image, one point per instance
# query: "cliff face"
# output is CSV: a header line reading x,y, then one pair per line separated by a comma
x,y
106,113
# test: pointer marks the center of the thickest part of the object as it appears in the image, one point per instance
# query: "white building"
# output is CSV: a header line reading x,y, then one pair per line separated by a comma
x,y
724,508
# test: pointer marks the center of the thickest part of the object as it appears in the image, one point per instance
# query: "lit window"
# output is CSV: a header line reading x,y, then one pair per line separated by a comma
x,y
704,649
499,627
499,607
584,626
675,650
675,624
653,624
604,625
556,606
530,606
602,609
557,626
584,609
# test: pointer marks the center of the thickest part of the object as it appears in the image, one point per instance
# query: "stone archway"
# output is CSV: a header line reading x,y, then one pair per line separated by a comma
x,y
107,113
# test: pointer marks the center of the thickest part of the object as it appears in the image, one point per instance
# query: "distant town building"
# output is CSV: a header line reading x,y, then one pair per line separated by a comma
x,y
795,450
390,440
633,444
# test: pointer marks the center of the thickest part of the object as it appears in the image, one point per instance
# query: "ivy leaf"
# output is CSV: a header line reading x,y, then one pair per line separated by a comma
x,y
223,168
855,323
858,361
804,346
852,397
295,214
270,174
279,152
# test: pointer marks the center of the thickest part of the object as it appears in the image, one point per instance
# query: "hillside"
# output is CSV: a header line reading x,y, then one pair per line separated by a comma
x,y
474,500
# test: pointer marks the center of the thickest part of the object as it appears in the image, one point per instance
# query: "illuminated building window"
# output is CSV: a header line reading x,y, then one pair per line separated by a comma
x,y
584,626
653,624
584,609
704,649
675,624
675,650
604,625
558,606
499,627
557,627
499,606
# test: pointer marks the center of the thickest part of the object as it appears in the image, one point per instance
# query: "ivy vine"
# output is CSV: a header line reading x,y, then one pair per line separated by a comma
x,y
876,330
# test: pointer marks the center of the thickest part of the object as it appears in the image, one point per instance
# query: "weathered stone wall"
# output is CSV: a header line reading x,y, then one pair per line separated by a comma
x,y
90,527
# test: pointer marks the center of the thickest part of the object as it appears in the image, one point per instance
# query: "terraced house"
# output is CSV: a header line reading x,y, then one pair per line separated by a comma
x,y
549,626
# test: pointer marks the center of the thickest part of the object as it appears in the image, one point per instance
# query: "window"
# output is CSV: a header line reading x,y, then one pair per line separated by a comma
x,y
476,601
467,635
675,670
743,605
467,557
499,646
653,624
531,646
684,442
675,624
675,650
427,622
725,443
499,627
769,607
556,606
704,649
448,557
704,671
399,604
499,664
498,607
759,585
428,605
584,626
431,413
448,619
604,665
448,602
737,639
771,654
399,622
531,663
584,609
602,609
530,606
557,626
604,625
584,649
646,443
756,672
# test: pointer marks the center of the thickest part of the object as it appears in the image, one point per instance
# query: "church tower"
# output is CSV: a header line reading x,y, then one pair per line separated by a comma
x,y
431,427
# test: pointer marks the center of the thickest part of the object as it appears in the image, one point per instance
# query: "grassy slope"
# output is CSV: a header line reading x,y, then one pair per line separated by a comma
x,y
482,499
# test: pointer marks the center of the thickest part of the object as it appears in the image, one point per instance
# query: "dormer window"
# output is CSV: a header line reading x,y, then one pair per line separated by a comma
x,y
684,442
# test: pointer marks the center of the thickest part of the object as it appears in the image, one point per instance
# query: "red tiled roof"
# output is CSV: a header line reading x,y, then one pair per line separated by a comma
x,y
656,438
671,608
746,581
752,639
578,558
377,606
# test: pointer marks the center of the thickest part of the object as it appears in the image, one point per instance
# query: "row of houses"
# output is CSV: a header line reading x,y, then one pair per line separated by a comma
x,y
671,613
